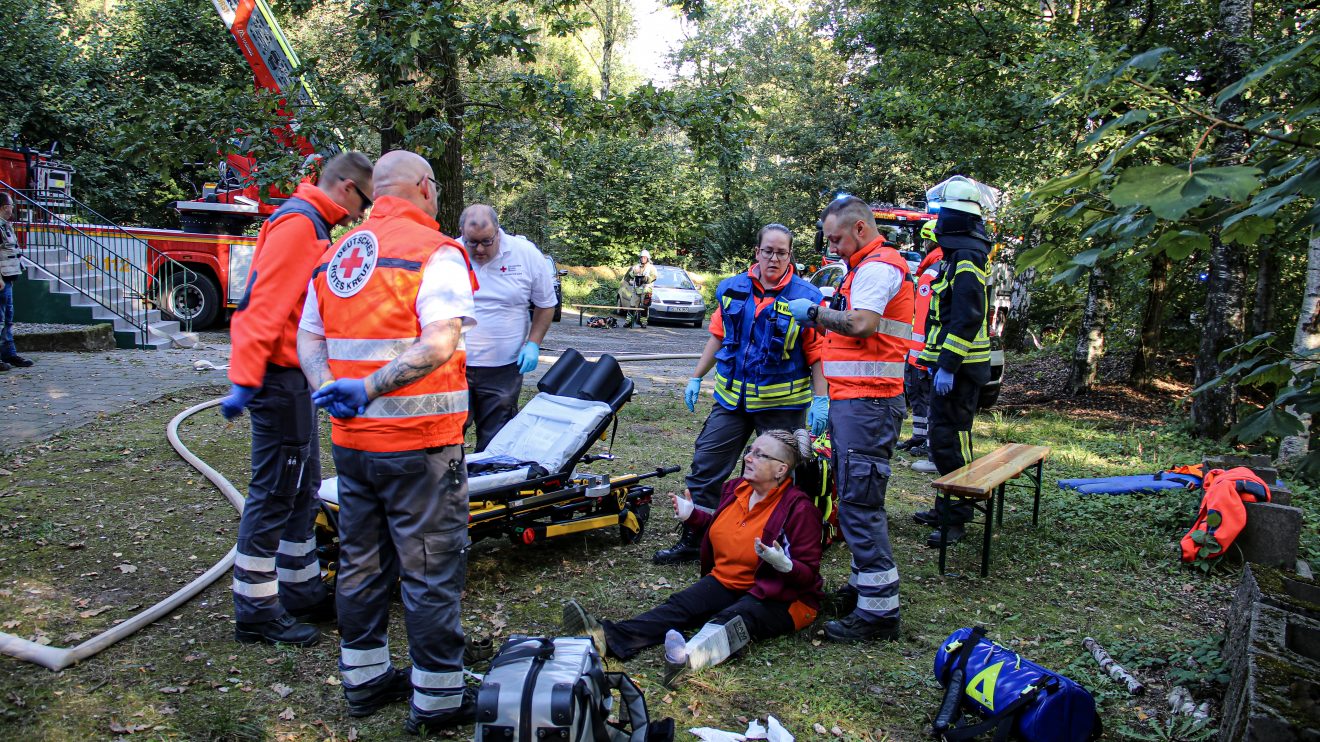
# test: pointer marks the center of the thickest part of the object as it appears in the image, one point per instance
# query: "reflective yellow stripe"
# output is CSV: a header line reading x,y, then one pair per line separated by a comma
x,y
760,397
875,369
965,443
894,328
966,267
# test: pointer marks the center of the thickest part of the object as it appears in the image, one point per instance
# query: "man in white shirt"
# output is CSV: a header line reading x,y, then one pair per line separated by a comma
x,y
512,277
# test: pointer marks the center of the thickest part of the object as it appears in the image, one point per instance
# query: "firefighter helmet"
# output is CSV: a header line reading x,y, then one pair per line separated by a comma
x,y
928,231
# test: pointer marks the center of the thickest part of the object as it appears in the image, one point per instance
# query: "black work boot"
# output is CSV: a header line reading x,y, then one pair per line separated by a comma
x,y
466,713
366,700
4,366
686,549
843,601
323,612
17,360
854,628
911,443
926,518
282,630
956,532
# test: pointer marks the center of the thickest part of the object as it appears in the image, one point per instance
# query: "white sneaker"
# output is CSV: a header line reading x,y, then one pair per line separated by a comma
x,y
925,466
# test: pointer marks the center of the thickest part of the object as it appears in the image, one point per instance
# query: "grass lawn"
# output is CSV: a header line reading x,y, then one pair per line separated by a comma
x,y
97,523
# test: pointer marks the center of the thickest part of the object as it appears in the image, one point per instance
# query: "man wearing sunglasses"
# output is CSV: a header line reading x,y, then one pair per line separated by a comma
x,y
277,580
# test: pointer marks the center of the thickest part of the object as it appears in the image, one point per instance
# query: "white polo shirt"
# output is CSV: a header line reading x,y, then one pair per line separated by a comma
x,y
510,283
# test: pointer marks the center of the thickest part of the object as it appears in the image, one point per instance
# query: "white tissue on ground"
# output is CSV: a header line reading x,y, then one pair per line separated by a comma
x,y
773,731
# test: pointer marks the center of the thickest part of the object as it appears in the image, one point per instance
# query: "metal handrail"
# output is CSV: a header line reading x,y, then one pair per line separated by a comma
x,y
96,269
168,272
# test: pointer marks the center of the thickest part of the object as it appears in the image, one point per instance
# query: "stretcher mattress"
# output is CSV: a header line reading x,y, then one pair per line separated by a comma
x,y
549,430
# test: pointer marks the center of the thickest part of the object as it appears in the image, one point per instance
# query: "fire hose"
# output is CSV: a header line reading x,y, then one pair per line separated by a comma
x,y
58,658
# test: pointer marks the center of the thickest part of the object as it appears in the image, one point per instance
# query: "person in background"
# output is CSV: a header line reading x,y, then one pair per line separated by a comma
x,y
11,270
512,275
760,567
767,373
957,345
277,578
916,376
639,279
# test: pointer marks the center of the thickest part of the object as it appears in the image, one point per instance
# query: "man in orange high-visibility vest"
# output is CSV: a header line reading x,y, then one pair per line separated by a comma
x,y
868,333
380,341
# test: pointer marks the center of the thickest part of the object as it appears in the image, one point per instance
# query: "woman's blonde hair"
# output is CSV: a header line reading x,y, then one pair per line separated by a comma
x,y
798,444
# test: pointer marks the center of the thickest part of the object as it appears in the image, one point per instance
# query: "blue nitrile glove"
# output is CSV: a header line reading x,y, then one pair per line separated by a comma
x,y
528,357
239,397
692,393
799,308
344,398
943,382
818,415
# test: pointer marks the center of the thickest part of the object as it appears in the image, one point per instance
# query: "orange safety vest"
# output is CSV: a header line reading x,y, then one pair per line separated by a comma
x,y
927,272
1222,515
871,366
366,289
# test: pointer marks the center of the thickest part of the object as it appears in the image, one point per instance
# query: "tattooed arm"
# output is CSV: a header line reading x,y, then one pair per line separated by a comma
x,y
436,346
314,359
857,323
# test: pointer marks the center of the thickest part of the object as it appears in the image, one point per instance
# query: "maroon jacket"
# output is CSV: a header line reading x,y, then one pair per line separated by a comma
x,y
796,524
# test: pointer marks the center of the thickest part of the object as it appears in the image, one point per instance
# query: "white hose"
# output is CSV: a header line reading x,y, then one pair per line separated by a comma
x,y
58,658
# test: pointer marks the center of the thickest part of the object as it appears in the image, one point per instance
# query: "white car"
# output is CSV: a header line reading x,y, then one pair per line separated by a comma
x,y
675,298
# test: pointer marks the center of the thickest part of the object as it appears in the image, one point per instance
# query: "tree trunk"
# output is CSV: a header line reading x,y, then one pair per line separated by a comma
x,y
1014,335
1091,336
1267,282
1305,339
1152,322
1214,411
607,48
449,174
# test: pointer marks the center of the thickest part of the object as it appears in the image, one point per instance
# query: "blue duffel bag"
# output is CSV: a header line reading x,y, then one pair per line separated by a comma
x,y
1014,696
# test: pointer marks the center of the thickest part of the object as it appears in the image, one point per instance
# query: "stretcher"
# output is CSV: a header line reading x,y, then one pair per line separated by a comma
x,y
527,486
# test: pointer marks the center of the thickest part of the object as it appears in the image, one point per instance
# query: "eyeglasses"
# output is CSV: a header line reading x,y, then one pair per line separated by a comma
x,y
434,182
772,254
366,202
757,454
487,243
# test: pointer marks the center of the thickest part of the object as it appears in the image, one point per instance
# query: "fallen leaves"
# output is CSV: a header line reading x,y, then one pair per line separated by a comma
x,y
281,690
287,714
118,728
126,568
173,689
93,612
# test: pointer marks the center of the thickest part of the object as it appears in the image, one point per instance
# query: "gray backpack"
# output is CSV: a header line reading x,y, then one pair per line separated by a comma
x,y
541,689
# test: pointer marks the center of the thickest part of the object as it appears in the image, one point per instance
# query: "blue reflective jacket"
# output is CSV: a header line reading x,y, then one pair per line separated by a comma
x,y
761,365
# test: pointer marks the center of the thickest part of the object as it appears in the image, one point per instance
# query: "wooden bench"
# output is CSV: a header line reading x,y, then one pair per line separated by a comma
x,y
582,314
982,482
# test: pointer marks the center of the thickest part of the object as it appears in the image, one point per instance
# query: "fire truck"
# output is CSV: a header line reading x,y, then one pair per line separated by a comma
x,y
194,274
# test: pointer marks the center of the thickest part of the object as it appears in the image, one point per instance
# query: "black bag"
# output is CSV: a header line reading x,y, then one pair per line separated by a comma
x,y
541,689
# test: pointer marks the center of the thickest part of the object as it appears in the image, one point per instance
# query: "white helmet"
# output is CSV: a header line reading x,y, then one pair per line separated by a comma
x,y
960,194
646,254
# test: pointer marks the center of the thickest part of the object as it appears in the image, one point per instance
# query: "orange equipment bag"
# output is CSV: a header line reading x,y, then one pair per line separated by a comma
x,y
1222,515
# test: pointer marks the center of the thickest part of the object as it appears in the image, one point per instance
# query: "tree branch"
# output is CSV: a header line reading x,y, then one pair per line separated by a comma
x,y
1218,121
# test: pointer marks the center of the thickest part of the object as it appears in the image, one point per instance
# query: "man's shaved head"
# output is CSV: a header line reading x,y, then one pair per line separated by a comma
x,y
408,176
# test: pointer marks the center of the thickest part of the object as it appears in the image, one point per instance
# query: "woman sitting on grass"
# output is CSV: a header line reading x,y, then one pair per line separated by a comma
x,y
760,566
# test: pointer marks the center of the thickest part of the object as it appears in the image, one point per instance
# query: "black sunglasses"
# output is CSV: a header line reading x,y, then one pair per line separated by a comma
x,y
366,202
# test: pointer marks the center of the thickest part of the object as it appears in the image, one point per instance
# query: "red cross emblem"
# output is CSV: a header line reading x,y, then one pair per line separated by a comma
x,y
352,262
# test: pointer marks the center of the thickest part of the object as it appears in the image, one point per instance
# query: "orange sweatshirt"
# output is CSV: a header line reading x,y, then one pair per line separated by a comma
x,y
264,329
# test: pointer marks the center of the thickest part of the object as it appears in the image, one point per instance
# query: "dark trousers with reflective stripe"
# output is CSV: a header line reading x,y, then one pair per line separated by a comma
x,y
492,399
704,601
721,443
403,515
276,568
862,436
951,418
916,387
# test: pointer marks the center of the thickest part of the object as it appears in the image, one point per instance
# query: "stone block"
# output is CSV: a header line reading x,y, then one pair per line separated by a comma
x,y
1271,534
1274,694
89,338
1280,494
1262,465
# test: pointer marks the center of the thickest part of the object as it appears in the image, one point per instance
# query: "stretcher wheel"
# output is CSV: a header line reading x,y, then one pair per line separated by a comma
x,y
643,514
